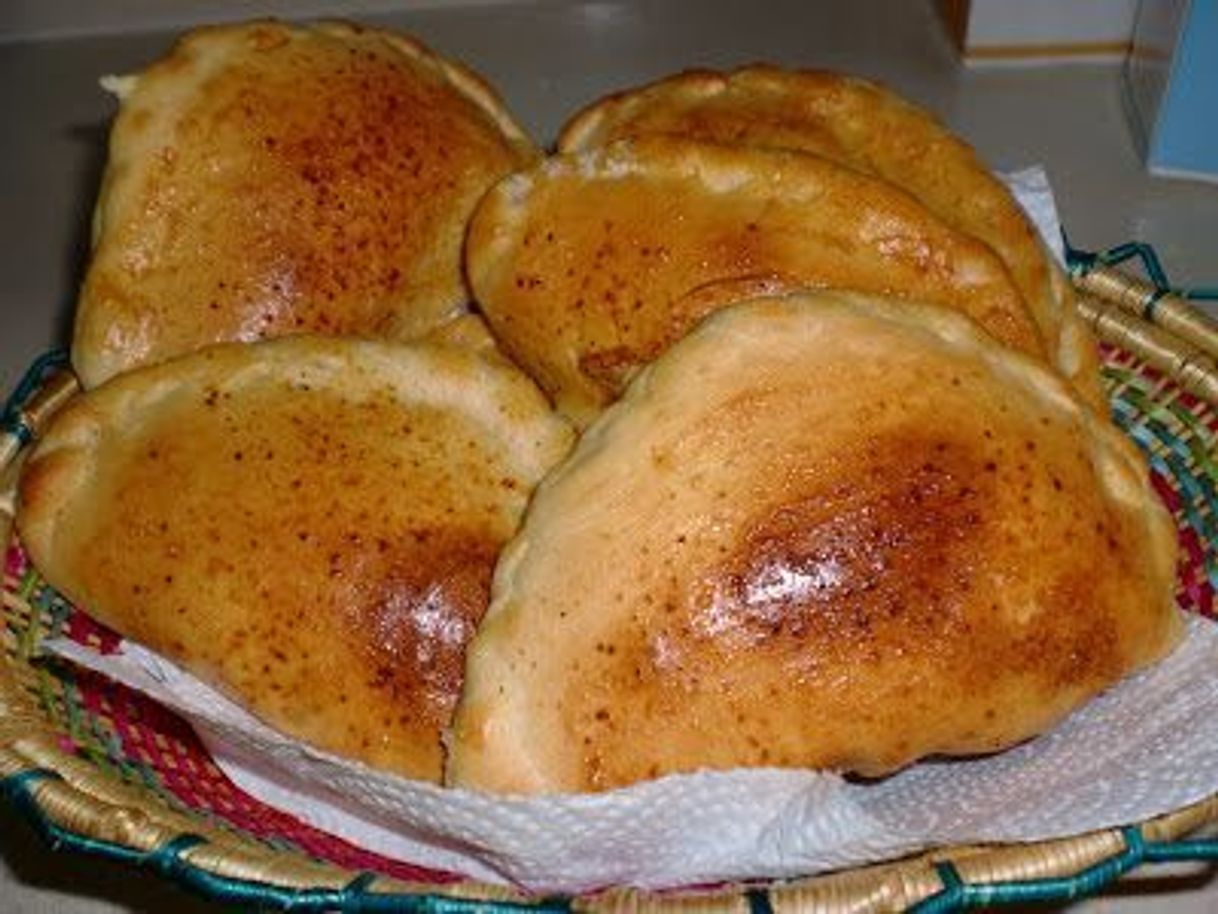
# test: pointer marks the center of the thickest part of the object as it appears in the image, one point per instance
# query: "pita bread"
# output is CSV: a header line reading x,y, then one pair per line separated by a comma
x,y
588,266
869,128
267,179
308,523
821,531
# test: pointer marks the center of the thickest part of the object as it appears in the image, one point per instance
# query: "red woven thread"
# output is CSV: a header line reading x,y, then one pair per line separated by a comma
x,y
160,750
15,563
162,743
1195,590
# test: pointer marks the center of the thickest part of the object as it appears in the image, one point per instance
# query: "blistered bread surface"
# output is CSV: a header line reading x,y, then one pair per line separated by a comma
x,y
589,265
870,128
310,524
821,531
267,179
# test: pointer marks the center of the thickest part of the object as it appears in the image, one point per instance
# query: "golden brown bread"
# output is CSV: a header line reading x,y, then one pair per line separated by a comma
x,y
309,523
822,530
267,179
869,128
588,265
468,331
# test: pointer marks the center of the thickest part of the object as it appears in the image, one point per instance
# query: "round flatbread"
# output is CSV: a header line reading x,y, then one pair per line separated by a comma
x,y
589,265
821,531
267,179
869,128
308,523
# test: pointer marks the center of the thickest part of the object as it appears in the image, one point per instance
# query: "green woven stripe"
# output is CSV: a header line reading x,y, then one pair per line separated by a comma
x,y
1194,441
1179,446
1198,488
168,861
1200,521
93,735
958,895
53,686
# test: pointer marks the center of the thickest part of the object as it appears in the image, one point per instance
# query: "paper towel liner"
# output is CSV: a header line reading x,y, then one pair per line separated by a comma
x,y
1031,188
1144,748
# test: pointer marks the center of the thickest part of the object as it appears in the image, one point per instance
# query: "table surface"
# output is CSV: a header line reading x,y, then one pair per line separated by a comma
x,y
547,59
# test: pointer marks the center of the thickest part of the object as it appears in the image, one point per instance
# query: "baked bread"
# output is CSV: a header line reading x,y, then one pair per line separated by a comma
x,y
308,523
869,128
267,179
822,531
468,331
589,265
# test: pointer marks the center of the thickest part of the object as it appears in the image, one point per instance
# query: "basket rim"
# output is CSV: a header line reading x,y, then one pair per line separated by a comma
x,y
940,879
931,880
77,808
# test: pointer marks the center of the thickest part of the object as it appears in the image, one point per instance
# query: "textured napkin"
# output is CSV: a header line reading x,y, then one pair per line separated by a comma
x,y
1032,189
1143,748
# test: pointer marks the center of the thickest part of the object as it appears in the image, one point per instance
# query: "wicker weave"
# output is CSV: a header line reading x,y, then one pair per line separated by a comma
x,y
1190,367
102,769
1152,304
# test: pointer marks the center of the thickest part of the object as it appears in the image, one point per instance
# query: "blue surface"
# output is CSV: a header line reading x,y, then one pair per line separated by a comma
x,y
1185,136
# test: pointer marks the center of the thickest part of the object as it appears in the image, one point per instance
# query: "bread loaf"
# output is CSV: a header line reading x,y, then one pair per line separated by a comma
x,y
267,179
589,265
823,531
309,524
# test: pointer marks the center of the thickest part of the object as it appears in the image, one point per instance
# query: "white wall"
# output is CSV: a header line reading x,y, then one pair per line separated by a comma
x,y
1010,24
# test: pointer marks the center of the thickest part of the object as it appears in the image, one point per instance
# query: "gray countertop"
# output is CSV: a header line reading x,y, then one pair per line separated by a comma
x,y
547,59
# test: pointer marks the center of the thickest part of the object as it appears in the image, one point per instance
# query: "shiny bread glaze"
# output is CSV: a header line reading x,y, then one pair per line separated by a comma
x,y
267,179
823,530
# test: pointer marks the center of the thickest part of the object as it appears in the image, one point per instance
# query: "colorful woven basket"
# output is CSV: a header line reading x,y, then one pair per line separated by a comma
x,y
101,769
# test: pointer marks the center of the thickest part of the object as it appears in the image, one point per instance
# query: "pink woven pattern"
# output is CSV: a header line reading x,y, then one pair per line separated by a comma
x,y
1196,591
121,729
1180,433
15,564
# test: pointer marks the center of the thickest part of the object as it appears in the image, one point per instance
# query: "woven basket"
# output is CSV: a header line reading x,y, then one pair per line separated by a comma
x,y
99,768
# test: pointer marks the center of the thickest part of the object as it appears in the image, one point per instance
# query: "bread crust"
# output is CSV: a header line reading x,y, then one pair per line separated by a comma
x,y
267,179
309,524
589,265
822,531
870,128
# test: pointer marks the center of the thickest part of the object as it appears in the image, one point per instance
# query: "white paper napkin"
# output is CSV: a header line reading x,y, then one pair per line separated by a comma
x,y
1032,189
1146,747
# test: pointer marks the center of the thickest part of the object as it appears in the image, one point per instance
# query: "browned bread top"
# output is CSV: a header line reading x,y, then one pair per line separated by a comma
x,y
309,523
821,531
267,179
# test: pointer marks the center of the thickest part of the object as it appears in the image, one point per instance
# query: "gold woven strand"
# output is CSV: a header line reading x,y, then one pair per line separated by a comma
x,y
10,454
1173,825
54,392
636,901
1192,369
1174,314
889,887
